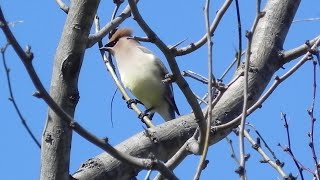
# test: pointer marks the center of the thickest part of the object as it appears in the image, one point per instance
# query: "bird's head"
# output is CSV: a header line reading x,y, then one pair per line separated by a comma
x,y
117,35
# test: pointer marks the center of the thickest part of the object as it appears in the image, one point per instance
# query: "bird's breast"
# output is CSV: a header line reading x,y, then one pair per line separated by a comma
x,y
144,81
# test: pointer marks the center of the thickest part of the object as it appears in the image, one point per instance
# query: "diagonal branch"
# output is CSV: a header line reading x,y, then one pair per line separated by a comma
x,y
12,99
242,169
63,6
194,46
94,38
294,53
204,149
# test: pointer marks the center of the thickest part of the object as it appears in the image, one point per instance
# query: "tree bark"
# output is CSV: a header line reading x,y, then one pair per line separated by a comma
x,y
57,135
267,42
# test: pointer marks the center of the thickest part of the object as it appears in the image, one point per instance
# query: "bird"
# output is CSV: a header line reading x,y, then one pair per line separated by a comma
x,y
142,73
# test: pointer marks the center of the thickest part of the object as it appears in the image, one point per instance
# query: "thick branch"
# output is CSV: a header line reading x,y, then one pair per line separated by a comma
x,y
298,51
57,135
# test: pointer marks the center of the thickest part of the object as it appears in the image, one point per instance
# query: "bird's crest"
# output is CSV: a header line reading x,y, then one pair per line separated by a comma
x,y
120,33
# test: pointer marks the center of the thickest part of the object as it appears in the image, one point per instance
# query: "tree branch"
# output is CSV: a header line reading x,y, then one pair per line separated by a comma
x,y
63,6
205,147
194,46
94,38
12,98
57,135
294,53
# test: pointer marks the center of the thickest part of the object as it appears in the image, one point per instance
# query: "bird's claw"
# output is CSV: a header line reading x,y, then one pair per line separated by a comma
x,y
135,101
143,114
168,78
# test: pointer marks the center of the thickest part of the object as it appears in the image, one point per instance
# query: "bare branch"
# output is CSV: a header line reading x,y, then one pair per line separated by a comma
x,y
313,119
266,158
278,80
233,154
308,19
204,149
178,157
266,145
288,149
294,53
94,38
242,169
239,34
63,6
194,46
12,99
230,66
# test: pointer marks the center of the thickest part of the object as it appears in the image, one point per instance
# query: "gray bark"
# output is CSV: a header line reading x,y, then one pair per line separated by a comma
x,y
267,42
57,135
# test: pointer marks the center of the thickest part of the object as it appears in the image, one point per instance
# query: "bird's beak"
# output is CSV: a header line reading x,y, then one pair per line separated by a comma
x,y
106,49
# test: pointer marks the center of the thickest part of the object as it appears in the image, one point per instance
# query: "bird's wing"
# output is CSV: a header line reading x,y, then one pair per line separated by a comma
x,y
158,61
170,99
169,90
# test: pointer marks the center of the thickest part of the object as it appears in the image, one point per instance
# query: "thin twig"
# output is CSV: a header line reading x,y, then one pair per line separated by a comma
x,y
244,110
233,154
278,80
26,58
230,66
204,80
265,144
190,146
147,177
242,169
194,46
294,53
266,159
94,38
288,149
63,6
210,77
12,99
313,119
195,76
239,34
111,106
308,19
201,100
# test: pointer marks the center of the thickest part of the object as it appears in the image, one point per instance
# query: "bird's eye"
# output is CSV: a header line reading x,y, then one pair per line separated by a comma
x,y
111,44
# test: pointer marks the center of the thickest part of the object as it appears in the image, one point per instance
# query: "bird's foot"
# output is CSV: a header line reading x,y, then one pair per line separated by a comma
x,y
143,114
146,113
168,78
135,101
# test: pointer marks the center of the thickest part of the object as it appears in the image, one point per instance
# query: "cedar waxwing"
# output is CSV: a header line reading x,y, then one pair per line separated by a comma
x,y
142,73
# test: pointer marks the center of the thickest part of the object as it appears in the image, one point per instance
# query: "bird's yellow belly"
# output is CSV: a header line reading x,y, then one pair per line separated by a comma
x,y
147,89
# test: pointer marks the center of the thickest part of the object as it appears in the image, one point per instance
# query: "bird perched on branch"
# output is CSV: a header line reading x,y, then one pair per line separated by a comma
x,y
142,73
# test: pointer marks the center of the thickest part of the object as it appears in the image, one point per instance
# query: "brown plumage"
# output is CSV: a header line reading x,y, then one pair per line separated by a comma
x,y
119,34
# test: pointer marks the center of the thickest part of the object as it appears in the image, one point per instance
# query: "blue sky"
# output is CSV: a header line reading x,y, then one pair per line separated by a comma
x,y
173,21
